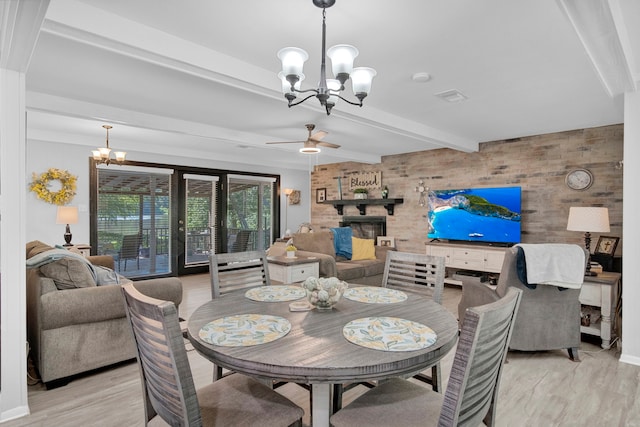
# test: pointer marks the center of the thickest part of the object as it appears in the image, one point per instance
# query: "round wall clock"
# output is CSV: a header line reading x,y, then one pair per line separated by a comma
x,y
579,179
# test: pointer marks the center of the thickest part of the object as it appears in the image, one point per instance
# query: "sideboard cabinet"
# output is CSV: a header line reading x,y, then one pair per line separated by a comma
x,y
486,259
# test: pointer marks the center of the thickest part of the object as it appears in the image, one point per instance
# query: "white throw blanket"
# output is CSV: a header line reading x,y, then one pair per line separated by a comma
x,y
554,264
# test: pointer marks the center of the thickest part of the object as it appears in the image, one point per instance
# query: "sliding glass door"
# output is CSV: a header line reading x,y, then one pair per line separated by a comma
x,y
159,220
133,219
199,226
249,213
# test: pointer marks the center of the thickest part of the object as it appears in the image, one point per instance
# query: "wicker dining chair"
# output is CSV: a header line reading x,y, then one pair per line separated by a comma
x,y
423,274
167,383
472,392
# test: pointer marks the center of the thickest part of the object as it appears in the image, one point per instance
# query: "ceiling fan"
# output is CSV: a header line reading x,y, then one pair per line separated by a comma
x,y
312,142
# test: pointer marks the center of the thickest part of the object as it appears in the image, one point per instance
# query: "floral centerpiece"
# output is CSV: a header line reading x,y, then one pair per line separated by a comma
x,y
324,293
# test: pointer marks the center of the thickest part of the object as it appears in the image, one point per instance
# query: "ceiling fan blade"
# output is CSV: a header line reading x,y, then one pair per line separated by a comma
x,y
286,142
318,135
327,144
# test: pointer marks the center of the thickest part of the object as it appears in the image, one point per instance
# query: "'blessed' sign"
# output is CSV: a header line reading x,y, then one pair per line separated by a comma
x,y
369,180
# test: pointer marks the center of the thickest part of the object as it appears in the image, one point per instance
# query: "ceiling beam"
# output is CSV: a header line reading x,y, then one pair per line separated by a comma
x,y
603,38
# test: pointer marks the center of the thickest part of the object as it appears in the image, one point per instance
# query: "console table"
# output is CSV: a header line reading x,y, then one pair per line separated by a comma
x,y
601,291
487,259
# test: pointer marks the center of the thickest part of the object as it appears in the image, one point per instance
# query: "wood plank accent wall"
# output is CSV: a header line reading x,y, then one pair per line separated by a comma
x,y
538,164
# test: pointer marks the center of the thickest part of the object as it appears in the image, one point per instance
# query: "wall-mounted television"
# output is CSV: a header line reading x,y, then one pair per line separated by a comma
x,y
488,215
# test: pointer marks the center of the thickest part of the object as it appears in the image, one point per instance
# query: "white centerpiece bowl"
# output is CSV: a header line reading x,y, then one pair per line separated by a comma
x,y
324,293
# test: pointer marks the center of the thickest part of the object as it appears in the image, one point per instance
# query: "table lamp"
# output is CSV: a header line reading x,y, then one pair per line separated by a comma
x,y
67,215
588,219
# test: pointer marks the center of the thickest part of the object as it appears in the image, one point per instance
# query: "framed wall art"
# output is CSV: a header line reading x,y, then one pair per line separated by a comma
x,y
321,195
387,241
607,245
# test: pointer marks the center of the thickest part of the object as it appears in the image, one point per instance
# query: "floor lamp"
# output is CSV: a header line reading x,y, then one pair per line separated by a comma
x,y
588,219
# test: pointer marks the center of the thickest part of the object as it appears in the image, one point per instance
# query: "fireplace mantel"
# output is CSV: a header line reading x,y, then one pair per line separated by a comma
x,y
361,204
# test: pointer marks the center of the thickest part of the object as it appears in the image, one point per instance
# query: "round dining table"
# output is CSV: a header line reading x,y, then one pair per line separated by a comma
x,y
315,351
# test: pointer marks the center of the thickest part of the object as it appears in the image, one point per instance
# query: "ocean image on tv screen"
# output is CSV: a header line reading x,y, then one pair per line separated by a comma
x,y
475,214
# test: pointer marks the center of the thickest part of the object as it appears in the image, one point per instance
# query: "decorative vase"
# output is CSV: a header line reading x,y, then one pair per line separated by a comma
x,y
385,193
359,195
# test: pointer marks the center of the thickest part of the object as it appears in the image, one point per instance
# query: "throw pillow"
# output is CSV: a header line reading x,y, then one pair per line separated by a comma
x,y
342,241
320,242
69,273
363,249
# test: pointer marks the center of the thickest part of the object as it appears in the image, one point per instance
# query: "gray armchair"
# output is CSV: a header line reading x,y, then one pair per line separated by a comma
x,y
548,317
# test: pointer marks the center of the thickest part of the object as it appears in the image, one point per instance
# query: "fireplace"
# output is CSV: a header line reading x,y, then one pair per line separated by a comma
x,y
366,227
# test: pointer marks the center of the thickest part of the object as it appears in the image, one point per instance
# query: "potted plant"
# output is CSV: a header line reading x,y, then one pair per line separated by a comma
x,y
291,251
360,193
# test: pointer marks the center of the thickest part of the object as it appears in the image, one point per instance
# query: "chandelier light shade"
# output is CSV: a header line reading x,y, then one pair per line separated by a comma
x,y
588,219
328,90
102,155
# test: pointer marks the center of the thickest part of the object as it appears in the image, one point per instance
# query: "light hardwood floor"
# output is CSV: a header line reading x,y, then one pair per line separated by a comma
x,y
537,389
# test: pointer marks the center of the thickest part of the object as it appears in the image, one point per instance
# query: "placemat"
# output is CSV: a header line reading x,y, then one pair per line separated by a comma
x,y
374,295
244,330
277,293
389,334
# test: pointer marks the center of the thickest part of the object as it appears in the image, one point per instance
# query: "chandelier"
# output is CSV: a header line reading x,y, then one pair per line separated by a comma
x,y
103,154
328,90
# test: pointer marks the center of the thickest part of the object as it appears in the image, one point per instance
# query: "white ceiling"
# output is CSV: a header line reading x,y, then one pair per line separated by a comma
x,y
198,78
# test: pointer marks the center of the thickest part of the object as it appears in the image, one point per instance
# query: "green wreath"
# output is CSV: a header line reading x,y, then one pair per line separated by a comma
x,y
40,186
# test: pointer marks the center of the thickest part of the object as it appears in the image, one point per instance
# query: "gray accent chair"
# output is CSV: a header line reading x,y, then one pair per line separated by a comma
x,y
167,383
472,392
549,318
73,331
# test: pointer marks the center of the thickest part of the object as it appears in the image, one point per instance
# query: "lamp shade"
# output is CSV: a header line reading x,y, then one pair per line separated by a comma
x,y
67,215
588,219
292,60
342,56
286,86
361,79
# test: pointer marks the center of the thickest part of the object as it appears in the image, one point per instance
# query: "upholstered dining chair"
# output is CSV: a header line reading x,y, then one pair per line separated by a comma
x,y
472,392
167,383
412,272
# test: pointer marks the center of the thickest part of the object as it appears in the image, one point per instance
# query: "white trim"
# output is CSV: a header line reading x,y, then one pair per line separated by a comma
x,y
160,171
201,177
251,178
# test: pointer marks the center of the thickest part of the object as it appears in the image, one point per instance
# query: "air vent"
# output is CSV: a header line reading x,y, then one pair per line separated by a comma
x,y
452,95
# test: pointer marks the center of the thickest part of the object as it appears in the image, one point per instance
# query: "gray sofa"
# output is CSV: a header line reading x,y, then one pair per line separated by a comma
x,y
320,245
76,330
